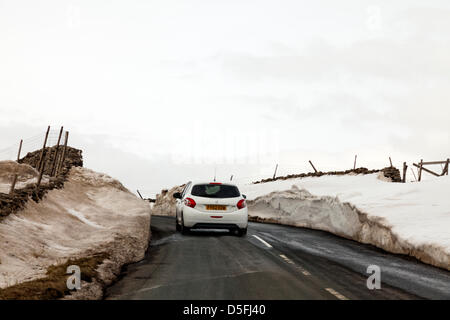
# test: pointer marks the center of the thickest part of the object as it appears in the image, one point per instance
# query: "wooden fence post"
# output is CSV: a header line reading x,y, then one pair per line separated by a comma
x,y
38,167
420,170
354,164
55,160
312,166
13,185
446,167
61,162
20,150
405,170
41,173
275,173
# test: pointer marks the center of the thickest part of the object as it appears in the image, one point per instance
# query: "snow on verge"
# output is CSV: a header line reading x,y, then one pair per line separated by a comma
x,y
165,202
92,214
411,218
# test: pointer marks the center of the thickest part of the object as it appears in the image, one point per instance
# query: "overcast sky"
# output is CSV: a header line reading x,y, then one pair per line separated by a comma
x,y
159,92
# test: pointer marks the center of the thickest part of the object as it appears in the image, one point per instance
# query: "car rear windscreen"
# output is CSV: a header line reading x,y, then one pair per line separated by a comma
x,y
215,191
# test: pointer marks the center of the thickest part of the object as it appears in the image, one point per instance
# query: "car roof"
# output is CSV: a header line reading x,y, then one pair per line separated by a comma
x,y
212,182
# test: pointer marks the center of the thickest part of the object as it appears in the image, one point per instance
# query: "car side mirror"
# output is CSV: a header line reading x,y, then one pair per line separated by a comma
x,y
245,197
177,195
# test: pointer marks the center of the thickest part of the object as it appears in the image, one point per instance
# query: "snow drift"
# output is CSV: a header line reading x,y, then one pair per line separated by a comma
x,y
165,203
410,218
92,214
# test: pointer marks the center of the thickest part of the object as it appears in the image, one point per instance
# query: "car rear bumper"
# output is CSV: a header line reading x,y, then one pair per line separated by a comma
x,y
215,220
227,226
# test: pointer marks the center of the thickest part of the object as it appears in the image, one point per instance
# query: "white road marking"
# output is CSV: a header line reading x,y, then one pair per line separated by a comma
x,y
264,242
286,259
305,272
336,294
302,270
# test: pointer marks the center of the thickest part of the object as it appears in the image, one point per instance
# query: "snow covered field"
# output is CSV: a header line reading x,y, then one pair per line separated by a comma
x,y
92,214
410,218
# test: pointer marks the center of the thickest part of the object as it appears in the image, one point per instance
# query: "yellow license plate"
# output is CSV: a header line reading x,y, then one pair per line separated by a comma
x,y
215,207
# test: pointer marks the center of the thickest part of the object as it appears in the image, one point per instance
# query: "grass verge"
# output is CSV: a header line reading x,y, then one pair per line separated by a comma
x,y
53,285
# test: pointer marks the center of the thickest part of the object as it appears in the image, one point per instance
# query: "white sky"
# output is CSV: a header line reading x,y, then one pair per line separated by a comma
x,y
159,92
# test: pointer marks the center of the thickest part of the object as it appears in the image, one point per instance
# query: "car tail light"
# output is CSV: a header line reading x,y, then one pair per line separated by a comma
x,y
189,202
241,204
215,183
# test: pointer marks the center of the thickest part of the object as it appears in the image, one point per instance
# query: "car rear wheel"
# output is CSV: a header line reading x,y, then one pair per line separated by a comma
x,y
240,232
177,225
184,230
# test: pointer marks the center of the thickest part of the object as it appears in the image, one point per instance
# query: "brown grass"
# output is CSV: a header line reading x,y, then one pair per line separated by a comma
x,y
53,286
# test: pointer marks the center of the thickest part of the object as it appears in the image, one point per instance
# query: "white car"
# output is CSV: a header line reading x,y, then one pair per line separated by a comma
x,y
211,205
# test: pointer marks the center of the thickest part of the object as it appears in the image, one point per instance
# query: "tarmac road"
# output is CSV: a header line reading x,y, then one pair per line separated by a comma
x,y
271,262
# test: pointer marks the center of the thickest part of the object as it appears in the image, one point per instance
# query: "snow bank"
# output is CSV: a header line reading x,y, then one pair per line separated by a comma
x,y
92,214
410,218
165,202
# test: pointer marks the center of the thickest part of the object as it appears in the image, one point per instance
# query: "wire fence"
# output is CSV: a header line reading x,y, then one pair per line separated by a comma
x,y
51,138
282,169
285,168
36,142
31,144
